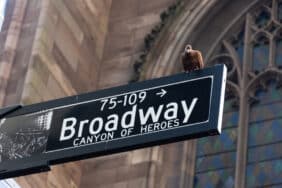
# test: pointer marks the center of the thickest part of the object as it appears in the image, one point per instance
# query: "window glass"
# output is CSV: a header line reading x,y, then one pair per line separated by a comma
x,y
217,161
261,54
266,173
267,111
214,144
271,94
265,152
230,119
217,178
278,57
265,132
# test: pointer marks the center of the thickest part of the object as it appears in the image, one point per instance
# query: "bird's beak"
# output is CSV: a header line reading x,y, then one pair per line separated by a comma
x,y
188,48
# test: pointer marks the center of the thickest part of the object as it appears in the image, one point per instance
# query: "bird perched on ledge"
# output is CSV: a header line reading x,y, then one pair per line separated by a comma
x,y
192,59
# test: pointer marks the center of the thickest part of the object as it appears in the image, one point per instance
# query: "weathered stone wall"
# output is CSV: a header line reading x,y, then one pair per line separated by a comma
x,y
67,50
54,50
130,21
15,49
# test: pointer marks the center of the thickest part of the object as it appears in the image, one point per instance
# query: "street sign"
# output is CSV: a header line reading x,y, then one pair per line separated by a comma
x,y
158,111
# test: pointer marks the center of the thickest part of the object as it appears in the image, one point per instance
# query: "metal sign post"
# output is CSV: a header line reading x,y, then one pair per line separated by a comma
x,y
158,111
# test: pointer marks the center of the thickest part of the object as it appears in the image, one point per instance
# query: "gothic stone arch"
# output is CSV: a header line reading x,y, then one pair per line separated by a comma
x,y
230,32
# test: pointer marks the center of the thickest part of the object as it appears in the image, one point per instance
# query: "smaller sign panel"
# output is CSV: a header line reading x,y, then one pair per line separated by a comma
x,y
159,111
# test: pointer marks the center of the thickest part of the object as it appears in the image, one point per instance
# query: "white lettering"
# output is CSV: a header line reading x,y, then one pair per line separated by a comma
x,y
171,112
92,124
81,125
143,129
112,123
151,112
188,111
131,114
89,139
68,126
75,142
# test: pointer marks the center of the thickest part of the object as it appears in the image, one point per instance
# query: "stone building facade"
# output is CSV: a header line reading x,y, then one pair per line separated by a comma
x,y
56,48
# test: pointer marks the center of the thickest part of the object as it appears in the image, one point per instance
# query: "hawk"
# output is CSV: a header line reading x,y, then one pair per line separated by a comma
x,y
192,59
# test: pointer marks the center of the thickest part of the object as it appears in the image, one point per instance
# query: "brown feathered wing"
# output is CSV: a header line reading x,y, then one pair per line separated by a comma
x,y
192,60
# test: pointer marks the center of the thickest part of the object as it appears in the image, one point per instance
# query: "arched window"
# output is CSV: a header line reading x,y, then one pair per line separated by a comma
x,y
253,55
264,159
246,36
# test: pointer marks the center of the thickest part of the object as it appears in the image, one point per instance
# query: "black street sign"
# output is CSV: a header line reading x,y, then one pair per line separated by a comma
x,y
159,111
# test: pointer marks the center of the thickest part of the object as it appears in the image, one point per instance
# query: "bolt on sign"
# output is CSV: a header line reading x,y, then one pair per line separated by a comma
x,y
153,112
